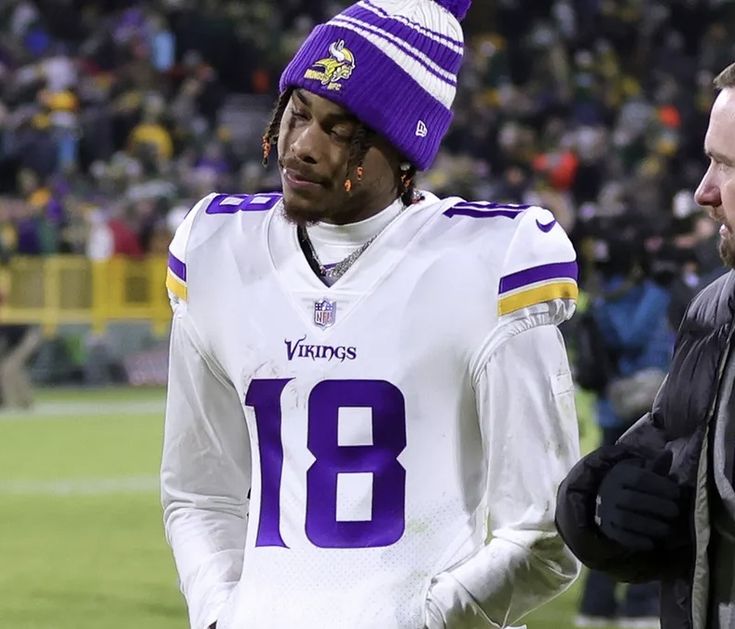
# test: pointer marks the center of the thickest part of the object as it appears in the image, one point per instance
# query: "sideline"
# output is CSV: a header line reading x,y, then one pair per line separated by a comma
x,y
81,486
77,409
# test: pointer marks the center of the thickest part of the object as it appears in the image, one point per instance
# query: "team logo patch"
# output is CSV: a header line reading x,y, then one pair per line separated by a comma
x,y
325,313
335,68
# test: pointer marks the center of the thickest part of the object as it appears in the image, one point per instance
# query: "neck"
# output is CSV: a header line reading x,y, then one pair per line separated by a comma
x,y
333,242
365,211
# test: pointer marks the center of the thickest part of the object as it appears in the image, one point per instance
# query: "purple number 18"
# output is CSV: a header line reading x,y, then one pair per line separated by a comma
x,y
380,459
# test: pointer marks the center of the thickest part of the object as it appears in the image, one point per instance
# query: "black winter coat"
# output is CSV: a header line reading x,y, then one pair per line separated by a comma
x,y
679,422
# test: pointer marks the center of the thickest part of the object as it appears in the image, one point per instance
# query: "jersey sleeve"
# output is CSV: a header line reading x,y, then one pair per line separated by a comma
x,y
539,273
205,467
176,275
525,404
205,474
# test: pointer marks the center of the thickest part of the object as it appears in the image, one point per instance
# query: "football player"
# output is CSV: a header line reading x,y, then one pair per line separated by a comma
x,y
370,406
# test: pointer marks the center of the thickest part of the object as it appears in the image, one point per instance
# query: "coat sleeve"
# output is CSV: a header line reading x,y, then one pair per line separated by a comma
x,y
575,511
525,400
205,475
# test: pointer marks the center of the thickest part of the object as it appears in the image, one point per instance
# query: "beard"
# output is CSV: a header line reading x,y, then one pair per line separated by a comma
x,y
308,206
331,205
302,216
727,250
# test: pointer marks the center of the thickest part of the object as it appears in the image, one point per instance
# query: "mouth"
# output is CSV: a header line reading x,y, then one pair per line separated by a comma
x,y
718,216
300,181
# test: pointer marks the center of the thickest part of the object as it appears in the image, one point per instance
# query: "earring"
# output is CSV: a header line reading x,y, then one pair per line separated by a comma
x,y
360,173
406,181
405,166
348,185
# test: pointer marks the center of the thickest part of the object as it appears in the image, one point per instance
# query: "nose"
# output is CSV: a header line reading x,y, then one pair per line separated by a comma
x,y
306,144
708,191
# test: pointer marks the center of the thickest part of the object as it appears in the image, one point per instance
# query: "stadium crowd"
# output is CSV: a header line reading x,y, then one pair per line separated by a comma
x,y
116,115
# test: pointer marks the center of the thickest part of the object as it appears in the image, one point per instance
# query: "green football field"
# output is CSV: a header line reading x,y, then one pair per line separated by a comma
x,y
81,539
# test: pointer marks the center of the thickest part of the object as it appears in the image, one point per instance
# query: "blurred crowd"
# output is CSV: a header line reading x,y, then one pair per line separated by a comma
x,y
115,116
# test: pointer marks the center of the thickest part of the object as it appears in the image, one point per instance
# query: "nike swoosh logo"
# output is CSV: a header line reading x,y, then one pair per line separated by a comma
x,y
546,228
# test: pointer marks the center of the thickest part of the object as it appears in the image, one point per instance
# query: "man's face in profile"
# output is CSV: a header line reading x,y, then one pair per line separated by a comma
x,y
716,191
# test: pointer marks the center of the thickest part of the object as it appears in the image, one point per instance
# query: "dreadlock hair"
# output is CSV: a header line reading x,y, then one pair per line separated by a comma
x,y
361,142
407,185
270,137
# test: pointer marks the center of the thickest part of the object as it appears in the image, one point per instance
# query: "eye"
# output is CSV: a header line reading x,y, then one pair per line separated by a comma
x,y
342,133
298,114
341,136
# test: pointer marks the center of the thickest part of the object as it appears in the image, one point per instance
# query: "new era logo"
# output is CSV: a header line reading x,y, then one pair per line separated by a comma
x,y
421,129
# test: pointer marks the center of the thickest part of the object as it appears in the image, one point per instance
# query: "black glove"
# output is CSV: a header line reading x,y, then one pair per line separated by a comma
x,y
637,505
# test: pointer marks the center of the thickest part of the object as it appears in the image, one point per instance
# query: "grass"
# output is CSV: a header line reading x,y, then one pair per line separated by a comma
x,y
81,540
80,536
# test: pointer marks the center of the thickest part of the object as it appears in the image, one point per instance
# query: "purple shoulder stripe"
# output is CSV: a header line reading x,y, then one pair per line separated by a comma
x,y
556,270
178,268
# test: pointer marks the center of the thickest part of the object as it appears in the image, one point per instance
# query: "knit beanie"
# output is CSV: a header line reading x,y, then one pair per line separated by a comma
x,y
391,63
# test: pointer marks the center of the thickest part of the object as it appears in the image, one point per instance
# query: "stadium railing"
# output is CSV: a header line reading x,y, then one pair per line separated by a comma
x,y
67,289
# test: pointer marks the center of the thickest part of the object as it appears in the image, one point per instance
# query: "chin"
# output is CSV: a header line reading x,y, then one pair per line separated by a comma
x,y
302,212
727,252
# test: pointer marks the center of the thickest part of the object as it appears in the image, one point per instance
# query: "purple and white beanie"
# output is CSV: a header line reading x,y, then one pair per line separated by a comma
x,y
393,64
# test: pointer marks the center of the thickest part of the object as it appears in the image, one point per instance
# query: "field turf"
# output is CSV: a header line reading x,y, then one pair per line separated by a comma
x,y
81,540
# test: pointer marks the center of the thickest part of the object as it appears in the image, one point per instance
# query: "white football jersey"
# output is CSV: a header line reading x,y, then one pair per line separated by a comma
x,y
380,454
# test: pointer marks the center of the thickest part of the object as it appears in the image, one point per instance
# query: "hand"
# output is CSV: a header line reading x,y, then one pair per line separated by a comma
x,y
638,507
434,618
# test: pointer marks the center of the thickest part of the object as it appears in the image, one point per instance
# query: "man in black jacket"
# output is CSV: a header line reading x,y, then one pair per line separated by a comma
x,y
660,503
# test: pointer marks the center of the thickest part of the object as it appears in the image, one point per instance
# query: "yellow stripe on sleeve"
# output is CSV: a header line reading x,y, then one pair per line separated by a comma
x,y
531,296
175,285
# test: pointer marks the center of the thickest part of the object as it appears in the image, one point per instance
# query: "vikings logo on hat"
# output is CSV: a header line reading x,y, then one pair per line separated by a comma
x,y
337,67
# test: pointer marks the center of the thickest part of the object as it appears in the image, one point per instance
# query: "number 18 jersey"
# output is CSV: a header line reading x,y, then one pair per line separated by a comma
x,y
326,451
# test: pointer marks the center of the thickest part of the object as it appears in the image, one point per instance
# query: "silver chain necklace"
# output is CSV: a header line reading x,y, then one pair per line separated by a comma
x,y
330,274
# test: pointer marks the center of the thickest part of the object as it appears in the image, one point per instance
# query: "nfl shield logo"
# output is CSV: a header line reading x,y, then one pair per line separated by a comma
x,y
325,313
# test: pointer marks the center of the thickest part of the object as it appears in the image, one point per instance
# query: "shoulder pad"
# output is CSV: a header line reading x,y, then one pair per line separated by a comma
x,y
176,272
540,264
213,204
